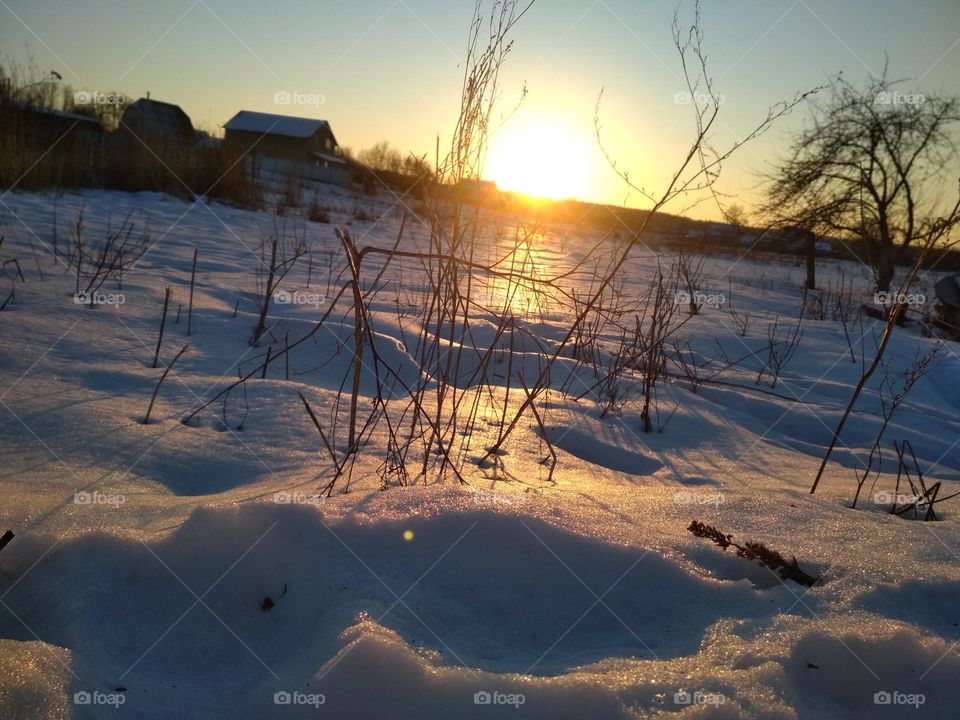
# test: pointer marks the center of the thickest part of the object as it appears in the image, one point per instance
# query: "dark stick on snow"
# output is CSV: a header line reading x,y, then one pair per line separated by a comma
x,y
156,390
286,356
236,306
163,321
7,537
179,308
266,363
330,451
16,264
193,277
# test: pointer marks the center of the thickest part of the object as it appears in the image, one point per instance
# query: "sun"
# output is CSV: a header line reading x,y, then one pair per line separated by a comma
x,y
539,159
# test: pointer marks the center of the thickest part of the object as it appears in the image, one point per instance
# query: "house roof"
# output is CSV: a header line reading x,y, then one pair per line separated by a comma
x,y
157,116
156,106
269,124
26,107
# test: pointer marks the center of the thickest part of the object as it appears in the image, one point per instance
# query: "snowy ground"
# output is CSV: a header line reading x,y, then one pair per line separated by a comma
x,y
157,573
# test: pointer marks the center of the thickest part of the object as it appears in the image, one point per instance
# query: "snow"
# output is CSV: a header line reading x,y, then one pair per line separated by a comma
x,y
145,554
268,123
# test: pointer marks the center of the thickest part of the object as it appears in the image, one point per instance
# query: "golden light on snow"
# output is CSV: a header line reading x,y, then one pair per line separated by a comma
x,y
539,158
408,535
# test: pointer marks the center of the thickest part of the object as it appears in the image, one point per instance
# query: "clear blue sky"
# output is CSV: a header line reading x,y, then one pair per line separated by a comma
x,y
388,69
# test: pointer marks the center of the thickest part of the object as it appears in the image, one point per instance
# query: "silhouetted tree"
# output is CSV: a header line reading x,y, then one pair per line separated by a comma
x,y
868,167
736,216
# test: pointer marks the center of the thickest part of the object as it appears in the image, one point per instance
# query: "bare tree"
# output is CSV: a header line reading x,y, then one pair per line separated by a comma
x,y
99,260
736,215
783,342
278,254
868,168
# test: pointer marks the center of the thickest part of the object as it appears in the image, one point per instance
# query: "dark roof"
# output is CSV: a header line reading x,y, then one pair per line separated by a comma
x,y
156,117
76,117
269,124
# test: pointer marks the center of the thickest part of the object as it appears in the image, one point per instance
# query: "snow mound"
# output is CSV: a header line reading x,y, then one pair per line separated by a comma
x,y
239,604
34,679
593,450
896,675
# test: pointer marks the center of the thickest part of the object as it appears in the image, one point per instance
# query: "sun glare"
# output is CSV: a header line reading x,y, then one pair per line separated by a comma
x,y
540,160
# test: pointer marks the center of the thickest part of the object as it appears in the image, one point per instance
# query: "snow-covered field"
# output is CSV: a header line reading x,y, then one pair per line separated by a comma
x,y
166,570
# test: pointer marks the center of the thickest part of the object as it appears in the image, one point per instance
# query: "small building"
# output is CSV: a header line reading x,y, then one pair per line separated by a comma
x,y
792,239
156,122
280,147
283,137
715,232
51,126
57,147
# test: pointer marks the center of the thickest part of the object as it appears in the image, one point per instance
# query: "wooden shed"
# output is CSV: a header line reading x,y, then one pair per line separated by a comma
x,y
283,137
153,121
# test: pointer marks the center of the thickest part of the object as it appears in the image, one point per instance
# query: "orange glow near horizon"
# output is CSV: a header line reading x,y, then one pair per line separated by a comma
x,y
539,159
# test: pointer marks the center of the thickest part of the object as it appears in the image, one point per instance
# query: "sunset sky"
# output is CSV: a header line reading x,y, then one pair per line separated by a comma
x,y
388,69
